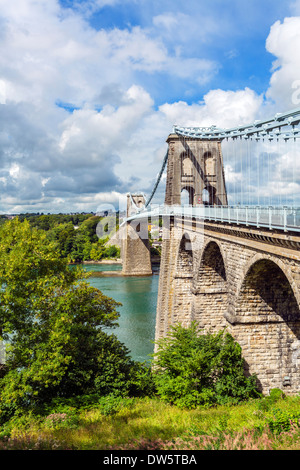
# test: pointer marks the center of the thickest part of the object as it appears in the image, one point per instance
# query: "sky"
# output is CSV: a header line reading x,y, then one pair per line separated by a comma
x,y
90,90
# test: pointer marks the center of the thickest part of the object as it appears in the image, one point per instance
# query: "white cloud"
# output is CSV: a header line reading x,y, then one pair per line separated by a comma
x,y
3,91
219,107
103,135
288,167
52,56
284,42
14,171
77,124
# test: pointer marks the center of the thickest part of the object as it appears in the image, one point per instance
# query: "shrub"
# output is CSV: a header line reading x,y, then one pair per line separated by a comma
x,y
267,402
111,404
283,420
201,369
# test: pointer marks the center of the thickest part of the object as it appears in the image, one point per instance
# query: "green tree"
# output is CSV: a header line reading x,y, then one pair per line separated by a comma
x,y
88,228
51,320
65,235
201,369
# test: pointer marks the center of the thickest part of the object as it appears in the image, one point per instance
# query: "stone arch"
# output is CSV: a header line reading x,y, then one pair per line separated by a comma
x,y
260,257
210,288
205,196
182,301
187,194
267,324
208,195
184,264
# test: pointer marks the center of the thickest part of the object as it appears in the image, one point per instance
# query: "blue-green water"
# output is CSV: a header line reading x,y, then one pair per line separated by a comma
x,y
138,296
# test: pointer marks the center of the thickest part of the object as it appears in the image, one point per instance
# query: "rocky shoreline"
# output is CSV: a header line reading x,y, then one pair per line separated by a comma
x,y
104,261
155,262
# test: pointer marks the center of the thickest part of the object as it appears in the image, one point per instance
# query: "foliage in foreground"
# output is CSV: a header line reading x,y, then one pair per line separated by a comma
x,y
195,369
52,321
61,363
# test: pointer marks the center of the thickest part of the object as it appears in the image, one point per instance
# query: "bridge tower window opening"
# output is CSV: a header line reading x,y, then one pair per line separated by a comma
x,y
209,164
187,166
187,178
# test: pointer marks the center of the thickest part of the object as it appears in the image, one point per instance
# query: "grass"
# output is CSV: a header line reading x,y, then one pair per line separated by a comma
x,y
151,424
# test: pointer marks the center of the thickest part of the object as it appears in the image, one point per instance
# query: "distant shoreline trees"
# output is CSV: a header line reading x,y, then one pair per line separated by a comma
x,y
75,235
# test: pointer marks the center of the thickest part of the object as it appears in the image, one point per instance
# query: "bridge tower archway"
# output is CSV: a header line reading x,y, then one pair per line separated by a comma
x,y
187,195
208,196
267,326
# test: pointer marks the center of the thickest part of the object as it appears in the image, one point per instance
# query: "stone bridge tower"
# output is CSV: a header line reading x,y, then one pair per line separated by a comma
x,y
135,241
197,167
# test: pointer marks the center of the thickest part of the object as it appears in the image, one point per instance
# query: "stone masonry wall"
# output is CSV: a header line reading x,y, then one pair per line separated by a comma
x,y
246,282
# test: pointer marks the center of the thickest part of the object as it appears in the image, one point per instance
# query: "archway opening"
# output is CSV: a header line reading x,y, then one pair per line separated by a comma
x,y
182,302
266,290
209,165
212,269
211,289
187,167
268,326
185,256
187,196
208,195
205,197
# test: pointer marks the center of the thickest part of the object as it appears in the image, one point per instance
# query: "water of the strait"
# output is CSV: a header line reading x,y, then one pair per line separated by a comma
x,y
138,296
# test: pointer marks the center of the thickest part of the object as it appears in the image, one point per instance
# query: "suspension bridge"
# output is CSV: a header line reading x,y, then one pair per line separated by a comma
x,y
231,240
279,137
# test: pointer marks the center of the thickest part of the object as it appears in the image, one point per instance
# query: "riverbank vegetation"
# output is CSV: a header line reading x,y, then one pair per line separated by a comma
x,y
67,382
75,235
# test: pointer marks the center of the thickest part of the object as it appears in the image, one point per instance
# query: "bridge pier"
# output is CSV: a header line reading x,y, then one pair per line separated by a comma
x,y
135,251
244,280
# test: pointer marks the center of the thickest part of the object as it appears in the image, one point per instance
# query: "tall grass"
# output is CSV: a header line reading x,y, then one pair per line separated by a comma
x,y
151,424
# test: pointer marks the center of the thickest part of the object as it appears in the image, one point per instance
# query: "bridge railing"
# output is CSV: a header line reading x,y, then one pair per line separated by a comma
x,y
283,218
272,217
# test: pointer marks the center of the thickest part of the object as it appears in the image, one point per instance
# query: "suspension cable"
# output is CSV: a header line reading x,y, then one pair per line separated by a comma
x,y
158,179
